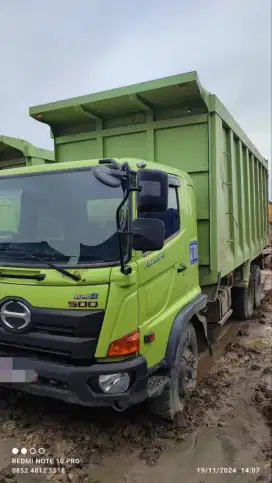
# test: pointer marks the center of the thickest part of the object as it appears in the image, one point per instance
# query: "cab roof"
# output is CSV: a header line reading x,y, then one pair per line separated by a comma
x,y
74,165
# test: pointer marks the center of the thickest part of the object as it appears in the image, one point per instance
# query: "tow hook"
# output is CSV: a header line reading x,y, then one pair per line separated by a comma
x,y
119,408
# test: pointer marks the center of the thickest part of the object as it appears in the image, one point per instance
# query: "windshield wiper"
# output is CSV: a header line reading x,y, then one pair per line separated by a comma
x,y
61,270
26,256
73,276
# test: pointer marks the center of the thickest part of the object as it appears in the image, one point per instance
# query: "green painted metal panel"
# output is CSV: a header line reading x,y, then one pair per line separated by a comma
x,y
72,151
126,145
177,143
176,122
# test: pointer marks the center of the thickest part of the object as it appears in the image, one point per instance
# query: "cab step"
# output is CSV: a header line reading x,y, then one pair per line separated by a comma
x,y
156,385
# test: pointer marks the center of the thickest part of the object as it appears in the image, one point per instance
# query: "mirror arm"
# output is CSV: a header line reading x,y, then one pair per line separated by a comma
x,y
125,269
113,163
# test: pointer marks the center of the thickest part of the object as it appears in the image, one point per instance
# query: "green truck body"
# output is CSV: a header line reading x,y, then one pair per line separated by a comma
x,y
145,233
174,121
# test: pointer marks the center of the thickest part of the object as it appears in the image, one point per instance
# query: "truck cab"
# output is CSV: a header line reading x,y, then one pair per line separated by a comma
x,y
84,304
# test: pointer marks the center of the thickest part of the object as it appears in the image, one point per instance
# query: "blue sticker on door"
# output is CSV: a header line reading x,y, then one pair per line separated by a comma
x,y
193,252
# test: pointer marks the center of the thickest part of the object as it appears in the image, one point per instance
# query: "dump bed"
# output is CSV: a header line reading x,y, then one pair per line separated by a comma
x,y
17,152
176,122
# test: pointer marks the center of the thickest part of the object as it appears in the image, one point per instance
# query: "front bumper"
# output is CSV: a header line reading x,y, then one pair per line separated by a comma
x,y
78,385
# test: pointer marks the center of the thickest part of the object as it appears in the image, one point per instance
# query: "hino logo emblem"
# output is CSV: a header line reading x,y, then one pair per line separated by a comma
x,y
17,317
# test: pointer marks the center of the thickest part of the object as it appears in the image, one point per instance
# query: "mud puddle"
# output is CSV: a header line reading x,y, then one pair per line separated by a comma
x,y
227,334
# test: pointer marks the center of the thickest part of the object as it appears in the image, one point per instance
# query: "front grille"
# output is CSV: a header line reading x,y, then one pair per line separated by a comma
x,y
63,336
44,329
15,350
73,323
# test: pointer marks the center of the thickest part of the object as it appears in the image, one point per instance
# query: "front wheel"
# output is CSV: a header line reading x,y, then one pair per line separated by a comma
x,y
182,378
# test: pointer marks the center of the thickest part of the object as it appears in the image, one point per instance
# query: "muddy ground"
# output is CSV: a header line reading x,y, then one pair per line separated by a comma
x,y
224,434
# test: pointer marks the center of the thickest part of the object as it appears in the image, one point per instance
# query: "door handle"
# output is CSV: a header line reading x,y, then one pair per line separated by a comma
x,y
182,268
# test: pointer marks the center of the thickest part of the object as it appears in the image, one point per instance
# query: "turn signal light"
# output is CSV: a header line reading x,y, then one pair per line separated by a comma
x,y
129,344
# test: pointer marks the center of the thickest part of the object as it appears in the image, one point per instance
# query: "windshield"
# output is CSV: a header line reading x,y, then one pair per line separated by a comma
x,y
67,216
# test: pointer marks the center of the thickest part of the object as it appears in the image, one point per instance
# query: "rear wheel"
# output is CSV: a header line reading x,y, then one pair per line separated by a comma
x,y
243,301
256,278
182,378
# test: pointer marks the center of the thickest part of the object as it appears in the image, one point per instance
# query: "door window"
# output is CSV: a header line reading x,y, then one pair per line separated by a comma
x,y
170,217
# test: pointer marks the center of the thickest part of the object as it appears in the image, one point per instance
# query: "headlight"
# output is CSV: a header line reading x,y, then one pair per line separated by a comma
x,y
114,383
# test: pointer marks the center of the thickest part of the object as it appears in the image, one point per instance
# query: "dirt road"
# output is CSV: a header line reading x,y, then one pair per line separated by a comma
x,y
224,435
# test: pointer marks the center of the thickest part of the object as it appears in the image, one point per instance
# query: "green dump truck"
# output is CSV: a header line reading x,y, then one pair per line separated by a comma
x,y
146,233
17,153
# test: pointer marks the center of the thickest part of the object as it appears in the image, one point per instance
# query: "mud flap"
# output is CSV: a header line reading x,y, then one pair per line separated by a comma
x,y
203,321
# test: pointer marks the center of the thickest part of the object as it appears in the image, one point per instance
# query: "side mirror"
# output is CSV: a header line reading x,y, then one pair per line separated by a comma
x,y
108,176
153,196
148,234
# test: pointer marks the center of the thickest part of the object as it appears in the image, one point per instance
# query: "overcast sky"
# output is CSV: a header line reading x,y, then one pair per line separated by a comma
x,y
54,49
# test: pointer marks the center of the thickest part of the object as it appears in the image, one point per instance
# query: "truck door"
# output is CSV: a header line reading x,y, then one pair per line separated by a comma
x,y
162,277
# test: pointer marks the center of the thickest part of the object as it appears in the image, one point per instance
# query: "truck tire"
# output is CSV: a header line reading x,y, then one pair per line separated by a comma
x,y
256,278
243,301
182,378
